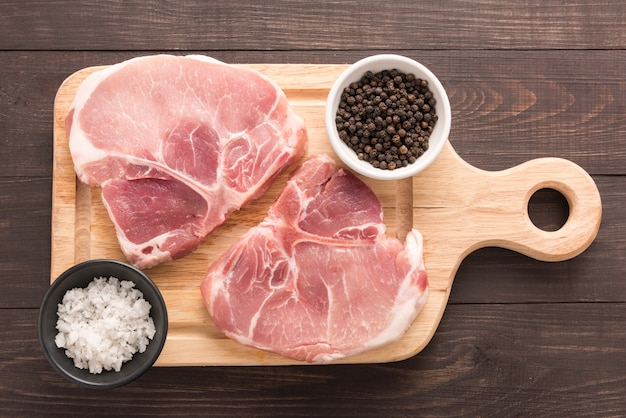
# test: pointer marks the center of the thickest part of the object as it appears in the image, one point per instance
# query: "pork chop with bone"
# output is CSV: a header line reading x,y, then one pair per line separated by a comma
x,y
318,279
177,144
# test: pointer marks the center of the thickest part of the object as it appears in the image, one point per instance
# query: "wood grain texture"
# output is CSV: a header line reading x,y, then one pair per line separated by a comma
x,y
485,360
508,106
527,79
29,81
328,25
24,240
457,207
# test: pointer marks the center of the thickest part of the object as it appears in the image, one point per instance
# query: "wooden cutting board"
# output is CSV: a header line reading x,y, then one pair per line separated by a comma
x,y
457,207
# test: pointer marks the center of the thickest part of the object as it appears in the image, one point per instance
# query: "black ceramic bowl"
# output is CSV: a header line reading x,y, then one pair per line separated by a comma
x,y
80,276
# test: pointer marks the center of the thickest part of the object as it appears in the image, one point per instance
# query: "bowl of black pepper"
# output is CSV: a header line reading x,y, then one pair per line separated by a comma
x,y
388,117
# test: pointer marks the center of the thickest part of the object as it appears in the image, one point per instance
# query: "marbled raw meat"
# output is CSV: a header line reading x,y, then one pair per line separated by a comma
x,y
177,144
318,279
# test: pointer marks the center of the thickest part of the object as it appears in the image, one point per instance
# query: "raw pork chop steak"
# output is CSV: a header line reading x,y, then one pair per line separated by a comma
x,y
318,279
177,144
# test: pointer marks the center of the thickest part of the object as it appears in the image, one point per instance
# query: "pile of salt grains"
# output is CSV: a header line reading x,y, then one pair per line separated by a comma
x,y
103,325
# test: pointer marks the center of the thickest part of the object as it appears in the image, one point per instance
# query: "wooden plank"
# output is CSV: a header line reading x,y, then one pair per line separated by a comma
x,y
26,158
514,356
487,276
485,360
24,219
326,25
499,276
458,209
508,107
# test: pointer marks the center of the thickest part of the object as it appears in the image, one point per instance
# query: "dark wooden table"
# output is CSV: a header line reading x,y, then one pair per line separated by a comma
x,y
526,79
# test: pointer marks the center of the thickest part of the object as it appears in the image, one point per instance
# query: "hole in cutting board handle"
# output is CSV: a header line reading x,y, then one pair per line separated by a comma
x,y
548,209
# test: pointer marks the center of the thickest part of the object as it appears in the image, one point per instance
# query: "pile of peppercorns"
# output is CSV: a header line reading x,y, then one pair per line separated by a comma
x,y
387,118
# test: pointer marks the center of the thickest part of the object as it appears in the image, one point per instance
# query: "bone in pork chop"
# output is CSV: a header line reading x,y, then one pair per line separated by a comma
x,y
177,144
318,279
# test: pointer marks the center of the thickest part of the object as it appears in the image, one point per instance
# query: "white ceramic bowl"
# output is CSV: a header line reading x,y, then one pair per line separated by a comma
x,y
377,63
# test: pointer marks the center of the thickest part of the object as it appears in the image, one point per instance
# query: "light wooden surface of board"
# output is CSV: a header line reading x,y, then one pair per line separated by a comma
x,y
458,209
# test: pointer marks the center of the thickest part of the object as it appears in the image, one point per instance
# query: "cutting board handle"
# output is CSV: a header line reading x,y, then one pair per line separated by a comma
x,y
508,193
460,208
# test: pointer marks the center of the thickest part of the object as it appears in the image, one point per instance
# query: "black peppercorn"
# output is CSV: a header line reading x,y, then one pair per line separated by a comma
x,y
386,118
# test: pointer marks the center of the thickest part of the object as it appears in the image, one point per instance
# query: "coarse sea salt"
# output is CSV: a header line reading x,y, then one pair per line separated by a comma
x,y
103,325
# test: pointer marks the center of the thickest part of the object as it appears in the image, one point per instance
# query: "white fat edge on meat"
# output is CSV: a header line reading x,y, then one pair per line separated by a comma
x,y
156,257
409,301
211,60
82,96
204,58
407,305
85,152
295,121
82,150
328,357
